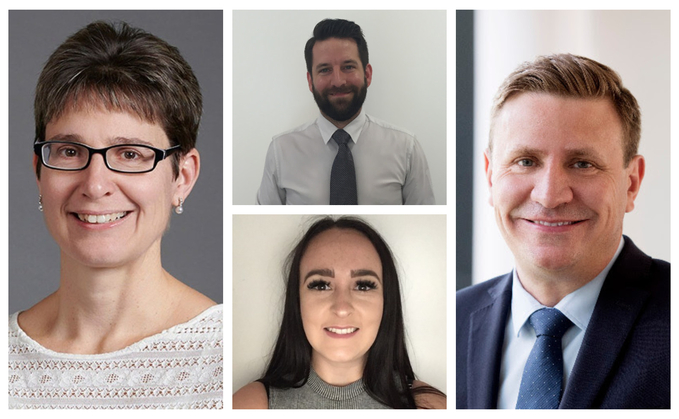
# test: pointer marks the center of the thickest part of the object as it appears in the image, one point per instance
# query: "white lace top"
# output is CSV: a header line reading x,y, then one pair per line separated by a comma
x,y
180,368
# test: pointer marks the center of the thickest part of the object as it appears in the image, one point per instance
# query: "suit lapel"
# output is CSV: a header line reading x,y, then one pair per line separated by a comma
x,y
486,335
621,298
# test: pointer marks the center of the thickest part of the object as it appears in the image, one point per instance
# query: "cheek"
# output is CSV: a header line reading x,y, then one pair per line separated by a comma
x,y
510,191
154,195
373,310
309,309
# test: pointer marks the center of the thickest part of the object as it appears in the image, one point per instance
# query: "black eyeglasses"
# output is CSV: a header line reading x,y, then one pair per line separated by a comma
x,y
123,158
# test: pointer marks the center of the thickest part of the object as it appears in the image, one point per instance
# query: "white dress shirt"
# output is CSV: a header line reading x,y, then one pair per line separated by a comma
x,y
519,339
390,165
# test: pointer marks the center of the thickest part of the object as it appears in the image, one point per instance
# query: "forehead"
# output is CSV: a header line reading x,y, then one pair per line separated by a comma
x,y
333,50
97,125
551,122
340,248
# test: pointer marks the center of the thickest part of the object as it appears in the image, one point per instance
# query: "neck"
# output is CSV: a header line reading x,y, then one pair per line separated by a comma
x,y
337,373
549,287
102,309
341,124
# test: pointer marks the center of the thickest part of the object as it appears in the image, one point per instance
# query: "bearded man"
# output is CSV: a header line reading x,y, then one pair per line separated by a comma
x,y
344,157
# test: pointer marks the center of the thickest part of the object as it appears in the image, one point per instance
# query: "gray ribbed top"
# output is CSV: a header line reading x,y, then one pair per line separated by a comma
x,y
317,394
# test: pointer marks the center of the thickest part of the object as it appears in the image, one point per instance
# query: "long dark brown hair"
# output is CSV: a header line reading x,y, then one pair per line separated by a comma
x,y
388,374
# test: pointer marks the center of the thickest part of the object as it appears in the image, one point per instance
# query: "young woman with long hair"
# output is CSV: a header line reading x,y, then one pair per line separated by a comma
x,y
342,341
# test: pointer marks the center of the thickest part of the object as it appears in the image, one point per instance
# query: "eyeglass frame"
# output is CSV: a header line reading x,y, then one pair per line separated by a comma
x,y
161,154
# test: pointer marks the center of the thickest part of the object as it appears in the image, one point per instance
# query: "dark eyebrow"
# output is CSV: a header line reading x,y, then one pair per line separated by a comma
x,y
125,140
364,272
320,66
66,137
322,272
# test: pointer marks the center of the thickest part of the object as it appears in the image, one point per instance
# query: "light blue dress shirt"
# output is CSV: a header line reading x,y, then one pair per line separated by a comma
x,y
390,165
578,306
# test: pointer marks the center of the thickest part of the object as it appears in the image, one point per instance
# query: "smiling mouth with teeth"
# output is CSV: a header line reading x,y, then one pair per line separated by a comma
x,y
101,218
341,331
559,224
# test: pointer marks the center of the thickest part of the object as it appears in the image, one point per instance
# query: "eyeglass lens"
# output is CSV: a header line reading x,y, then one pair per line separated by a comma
x,y
127,158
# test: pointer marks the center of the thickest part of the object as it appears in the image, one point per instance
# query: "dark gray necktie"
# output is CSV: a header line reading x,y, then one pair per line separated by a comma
x,y
343,175
543,375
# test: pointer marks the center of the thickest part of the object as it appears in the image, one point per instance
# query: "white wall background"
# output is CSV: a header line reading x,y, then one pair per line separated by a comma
x,y
271,95
636,44
262,242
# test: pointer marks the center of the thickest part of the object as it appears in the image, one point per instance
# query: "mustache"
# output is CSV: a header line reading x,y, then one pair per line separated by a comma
x,y
335,90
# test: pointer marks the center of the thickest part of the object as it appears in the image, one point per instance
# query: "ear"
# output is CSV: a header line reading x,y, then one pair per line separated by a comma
x,y
635,174
368,74
488,167
189,169
310,81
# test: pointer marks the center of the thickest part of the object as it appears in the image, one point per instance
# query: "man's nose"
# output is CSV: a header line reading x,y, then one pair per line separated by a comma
x,y
552,186
338,77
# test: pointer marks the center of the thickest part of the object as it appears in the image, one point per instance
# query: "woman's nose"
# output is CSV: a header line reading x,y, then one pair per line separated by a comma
x,y
97,179
341,305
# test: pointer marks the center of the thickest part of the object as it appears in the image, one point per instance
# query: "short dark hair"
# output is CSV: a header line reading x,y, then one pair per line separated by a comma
x,y
336,28
124,69
388,372
570,75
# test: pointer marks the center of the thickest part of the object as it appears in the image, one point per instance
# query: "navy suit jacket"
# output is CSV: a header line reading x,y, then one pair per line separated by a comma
x,y
624,360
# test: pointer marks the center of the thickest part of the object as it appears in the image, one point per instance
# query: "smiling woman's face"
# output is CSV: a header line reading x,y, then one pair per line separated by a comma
x,y
341,296
98,217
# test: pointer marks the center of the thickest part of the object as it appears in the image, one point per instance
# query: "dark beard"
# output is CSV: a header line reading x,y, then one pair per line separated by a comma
x,y
343,110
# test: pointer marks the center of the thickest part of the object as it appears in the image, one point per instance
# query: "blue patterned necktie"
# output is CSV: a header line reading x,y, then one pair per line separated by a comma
x,y
343,174
542,380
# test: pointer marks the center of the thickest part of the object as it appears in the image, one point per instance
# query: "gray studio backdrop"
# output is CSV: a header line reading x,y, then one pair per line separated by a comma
x,y
192,248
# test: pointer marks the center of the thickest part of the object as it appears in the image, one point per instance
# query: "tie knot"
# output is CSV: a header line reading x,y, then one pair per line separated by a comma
x,y
341,137
549,322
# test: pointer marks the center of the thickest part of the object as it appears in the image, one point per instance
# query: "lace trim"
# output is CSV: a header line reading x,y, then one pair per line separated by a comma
x,y
181,367
208,323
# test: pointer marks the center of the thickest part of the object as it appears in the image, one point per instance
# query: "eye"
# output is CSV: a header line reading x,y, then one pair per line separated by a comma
x,y
525,162
319,285
67,151
583,165
130,154
365,285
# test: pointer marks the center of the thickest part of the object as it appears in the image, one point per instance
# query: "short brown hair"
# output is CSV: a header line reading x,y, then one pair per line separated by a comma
x,y
124,69
579,77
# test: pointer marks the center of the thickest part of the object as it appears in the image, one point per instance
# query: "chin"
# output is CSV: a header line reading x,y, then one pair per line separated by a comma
x,y
99,260
101,254
552,260
342,356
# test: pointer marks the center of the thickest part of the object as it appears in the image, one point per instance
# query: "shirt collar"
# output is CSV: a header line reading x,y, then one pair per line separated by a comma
x,y
578,306
354,127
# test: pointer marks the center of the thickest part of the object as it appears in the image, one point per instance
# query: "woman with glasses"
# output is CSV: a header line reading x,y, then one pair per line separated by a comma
x,y
117,113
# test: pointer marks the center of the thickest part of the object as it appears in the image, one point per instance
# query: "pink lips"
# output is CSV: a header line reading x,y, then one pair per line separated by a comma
x,y
341,332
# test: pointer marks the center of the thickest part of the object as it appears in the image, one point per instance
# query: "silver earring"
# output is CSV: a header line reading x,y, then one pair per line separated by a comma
x,y
179,209
40,203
